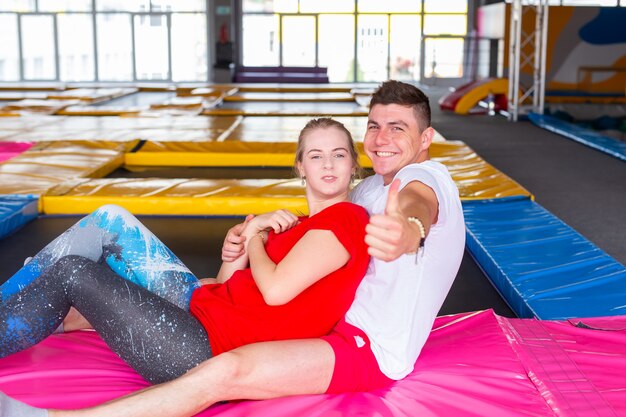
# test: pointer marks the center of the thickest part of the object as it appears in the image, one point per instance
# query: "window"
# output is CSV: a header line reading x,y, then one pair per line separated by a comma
x,y
123,5
151,60
326,6
9,53
189,47
356,40
115,51
260,40
104,40
17,6
64,5
404,47
336,46
372,35
389,6
76,52
178,5
444,58
298,41
39,53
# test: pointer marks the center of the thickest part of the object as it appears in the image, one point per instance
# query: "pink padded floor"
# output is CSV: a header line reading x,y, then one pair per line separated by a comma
x,y
10,149
473,364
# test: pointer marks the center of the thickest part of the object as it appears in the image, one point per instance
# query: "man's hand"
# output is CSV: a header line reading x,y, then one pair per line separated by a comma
x,y
234,241
390,235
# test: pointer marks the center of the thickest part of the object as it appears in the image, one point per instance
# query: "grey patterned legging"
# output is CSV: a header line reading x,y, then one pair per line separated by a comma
x,y
126,283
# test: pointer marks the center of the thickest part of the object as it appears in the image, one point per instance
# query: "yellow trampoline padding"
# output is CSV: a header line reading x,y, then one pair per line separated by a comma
x,y
21,95
287,128
48,164
82,110
213,91
18,124
586,99
291,96
87,147
475,178
36,106
216,197
92,95
224,112
183,128
472,97
177,196
220,154
291,88
291,111
32,86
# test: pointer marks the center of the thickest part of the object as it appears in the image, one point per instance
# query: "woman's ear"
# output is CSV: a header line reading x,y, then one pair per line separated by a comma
x,y
299,169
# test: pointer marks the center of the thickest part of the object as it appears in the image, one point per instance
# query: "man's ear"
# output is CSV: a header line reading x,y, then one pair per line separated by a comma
x,y
427,137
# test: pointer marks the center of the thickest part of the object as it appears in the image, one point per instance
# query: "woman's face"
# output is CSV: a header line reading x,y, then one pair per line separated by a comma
x,y
326,163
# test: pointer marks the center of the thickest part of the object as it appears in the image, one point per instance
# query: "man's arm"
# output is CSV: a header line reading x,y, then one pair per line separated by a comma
x,y
391,235
234,255
258,371
233,251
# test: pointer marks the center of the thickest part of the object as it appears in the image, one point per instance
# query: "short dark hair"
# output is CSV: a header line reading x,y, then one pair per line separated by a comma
x,y
397,92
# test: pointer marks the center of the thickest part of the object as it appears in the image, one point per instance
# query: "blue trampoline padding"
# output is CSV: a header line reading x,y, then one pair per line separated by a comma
x,y
541,266
16,211
606,144
580,93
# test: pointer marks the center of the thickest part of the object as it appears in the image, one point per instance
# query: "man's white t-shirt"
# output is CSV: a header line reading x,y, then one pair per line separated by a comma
x,y
397,302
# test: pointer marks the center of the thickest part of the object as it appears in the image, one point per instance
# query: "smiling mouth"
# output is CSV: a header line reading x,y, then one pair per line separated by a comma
x,y
381,154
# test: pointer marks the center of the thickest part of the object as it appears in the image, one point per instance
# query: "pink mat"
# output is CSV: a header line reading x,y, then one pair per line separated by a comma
x,y
473,364
10,149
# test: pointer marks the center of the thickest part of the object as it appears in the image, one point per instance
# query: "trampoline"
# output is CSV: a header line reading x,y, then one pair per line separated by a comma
x,y
513,371
472,364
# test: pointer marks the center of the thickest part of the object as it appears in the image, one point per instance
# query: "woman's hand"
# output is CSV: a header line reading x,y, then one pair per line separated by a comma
x,y
278,221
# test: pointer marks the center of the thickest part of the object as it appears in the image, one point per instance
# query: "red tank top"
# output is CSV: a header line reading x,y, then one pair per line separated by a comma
x,y
235,314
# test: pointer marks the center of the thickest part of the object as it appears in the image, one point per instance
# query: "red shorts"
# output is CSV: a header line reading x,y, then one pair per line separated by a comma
x,y
356,368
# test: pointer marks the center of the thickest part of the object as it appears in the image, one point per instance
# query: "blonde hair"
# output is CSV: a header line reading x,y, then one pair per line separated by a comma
x,y
326,123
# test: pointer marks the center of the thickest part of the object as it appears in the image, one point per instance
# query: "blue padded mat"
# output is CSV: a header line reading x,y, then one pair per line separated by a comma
x,y
541,266
16,211
606,144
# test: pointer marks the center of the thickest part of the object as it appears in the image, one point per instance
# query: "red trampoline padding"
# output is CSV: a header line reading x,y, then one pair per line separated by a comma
x,y
473,364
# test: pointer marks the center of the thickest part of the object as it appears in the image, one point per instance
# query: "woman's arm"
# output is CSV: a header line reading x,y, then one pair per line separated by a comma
x,y
279,221
227,269
315,255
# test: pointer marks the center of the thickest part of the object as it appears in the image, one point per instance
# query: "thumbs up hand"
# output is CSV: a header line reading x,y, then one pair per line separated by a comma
x,y
390,235
393,205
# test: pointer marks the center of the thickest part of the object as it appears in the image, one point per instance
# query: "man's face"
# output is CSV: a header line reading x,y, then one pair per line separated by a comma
x,y
393,139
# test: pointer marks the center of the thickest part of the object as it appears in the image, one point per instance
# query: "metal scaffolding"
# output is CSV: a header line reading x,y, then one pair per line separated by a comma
x,y
525,48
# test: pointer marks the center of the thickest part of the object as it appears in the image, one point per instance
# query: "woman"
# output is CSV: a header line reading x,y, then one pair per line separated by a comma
x,y
151,310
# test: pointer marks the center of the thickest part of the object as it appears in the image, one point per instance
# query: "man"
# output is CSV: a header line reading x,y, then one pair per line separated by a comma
x,y
416,236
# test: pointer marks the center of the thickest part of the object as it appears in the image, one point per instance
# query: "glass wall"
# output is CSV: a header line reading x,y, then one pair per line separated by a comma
x,y
103,40
357,40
